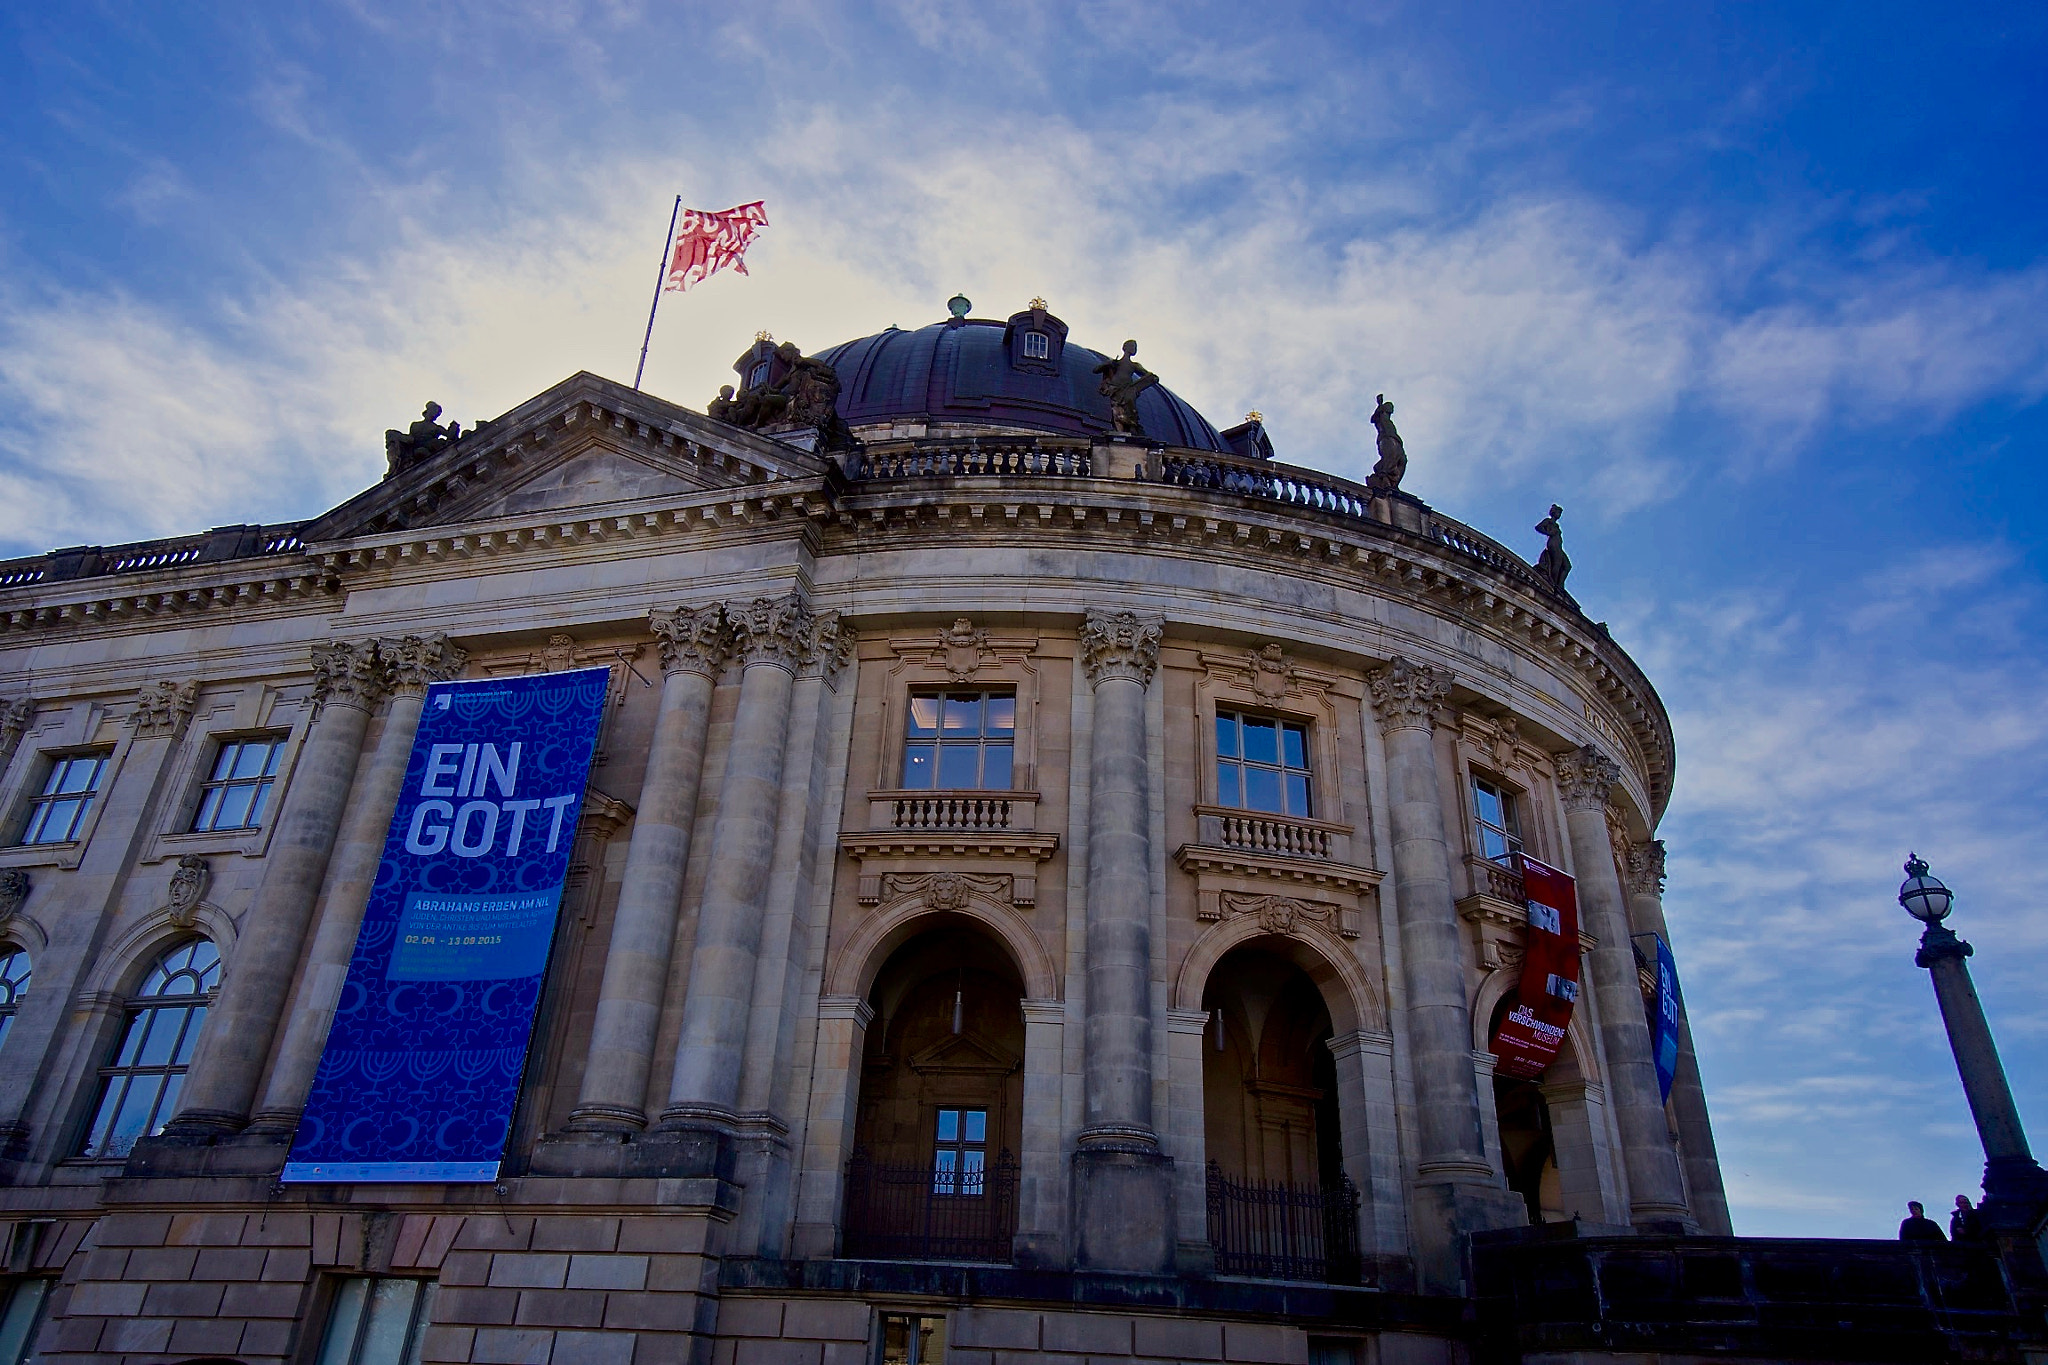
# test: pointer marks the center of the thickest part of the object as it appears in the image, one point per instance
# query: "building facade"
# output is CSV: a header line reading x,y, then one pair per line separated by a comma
x,y
1043,888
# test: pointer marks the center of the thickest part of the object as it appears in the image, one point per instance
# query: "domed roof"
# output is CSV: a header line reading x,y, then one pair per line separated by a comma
x,y
1020,373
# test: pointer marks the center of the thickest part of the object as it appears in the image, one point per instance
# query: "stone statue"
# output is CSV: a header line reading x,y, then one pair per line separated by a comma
x,y
723,407
1123,379
1393,464
1553,564
188,889
424,438
806,395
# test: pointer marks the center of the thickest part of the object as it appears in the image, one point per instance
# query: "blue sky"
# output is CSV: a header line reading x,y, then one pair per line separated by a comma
x,y
1756,291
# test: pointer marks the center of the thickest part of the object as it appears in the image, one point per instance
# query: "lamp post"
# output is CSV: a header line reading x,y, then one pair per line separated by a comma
x,y
2015,1187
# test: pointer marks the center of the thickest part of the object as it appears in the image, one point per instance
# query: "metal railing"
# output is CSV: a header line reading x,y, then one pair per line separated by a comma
x,y
1274,1231
922,1213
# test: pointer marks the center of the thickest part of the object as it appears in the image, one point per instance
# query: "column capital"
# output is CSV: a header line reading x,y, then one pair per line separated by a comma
x,y
347,673
162,708
1585,778
692,639
827,646
1646,868
1405,695
603,816
1121,644
14,721
771,630
412,662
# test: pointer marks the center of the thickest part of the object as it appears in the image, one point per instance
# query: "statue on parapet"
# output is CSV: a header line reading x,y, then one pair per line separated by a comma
x,y
722,408
1123,379
1393,463
423,439
806,395
1553,565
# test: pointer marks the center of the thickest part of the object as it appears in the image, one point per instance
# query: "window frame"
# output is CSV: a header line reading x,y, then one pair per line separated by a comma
x,y
1282,724
17,1288
950,1180
141,1002
916,1335
981,743
41,798
12,989
1041,339
1513,831
335,1291
267,782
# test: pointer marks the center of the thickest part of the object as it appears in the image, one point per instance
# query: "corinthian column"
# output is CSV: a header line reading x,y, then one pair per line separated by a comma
x,y
695,643
1688,1098
771,635
348,678
410,665
1122,1180
1656,1192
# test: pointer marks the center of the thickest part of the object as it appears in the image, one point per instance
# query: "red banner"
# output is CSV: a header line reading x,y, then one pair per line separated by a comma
x,y
1532,1031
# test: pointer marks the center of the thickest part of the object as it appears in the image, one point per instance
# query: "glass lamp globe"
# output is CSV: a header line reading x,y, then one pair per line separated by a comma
x,y
1924,897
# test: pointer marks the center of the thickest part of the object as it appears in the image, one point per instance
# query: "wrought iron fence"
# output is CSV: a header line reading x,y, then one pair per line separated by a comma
x,y
1274,1231
923,1213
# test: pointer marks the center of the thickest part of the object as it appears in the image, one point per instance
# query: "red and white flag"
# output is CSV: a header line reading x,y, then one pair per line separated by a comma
x,y
706,243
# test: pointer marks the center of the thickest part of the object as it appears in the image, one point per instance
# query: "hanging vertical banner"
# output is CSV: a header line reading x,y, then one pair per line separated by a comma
x,y
1666,1011
429,1041
1533,1030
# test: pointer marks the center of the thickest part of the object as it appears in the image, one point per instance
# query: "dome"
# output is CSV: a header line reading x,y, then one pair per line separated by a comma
x,y
1019,373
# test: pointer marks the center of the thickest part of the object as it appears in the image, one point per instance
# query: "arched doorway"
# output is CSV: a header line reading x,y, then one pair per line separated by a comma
x,y
933,1174
1528,1141
1280,1205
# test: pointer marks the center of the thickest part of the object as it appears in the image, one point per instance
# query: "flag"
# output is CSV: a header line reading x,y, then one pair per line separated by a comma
x,y
706,243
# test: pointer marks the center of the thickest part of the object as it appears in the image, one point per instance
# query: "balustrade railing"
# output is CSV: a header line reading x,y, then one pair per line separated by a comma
x,y
1025,456
922,1212
1274,1231
951,812
1277,483
1273,834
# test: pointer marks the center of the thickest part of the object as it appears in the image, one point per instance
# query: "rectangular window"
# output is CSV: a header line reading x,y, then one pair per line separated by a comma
x,y
910,1339
238,793
1498,828
55,816
21,1317
376,1320
1037,346
960,741
1262,764
960,1153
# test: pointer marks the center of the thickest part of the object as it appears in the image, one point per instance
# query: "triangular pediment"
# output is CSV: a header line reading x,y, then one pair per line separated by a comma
x,y
585,444
964,1052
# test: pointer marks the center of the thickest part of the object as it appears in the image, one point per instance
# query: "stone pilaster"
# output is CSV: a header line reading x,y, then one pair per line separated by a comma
x,y
411,663
1122,1179
1704,1191
1459,1190
695,643
1656,1191
771,636
348,680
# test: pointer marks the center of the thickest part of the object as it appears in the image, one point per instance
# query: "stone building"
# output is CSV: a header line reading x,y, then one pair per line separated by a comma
x,y
1043,888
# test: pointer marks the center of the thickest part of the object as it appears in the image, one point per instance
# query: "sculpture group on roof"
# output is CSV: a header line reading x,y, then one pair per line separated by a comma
x,y
805,395
422,440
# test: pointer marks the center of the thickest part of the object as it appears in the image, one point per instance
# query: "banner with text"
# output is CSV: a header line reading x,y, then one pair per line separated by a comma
x,y
1533,1029
429,1040
1666,1009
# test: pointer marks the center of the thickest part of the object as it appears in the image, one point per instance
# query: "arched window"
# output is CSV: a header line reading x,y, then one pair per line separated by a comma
x,y
139,1089
13,986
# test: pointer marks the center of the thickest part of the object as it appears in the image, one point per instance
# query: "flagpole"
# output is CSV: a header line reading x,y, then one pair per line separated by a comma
x,y
660,276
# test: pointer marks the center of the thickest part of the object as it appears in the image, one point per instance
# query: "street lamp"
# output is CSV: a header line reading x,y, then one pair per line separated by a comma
x,y
2015,1187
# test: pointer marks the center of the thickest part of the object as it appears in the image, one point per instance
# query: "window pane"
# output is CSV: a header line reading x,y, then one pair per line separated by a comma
x,y
111,1090
160,1029
1226,735
970,1171
270,758
234,807
344,1320
6,1023
974,1126
949,1125
131,1041
956,765
167,1106
1297,795
1226,785
917,765
1295,740
80,774
924,715
249,759
963,715
224,762
422,1314
1491,845
262,800
995,767
195,1019
1261,741
942,1172
209,809
133,1119
1261,789
1002,715
1488,802
391,1304
24,1311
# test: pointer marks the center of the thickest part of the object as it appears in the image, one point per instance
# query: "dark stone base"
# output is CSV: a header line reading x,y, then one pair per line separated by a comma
x,y
1123,1211
204,1153
665,1153
1447,1214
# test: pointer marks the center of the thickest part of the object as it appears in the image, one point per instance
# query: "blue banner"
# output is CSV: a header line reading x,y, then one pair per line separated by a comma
x,y
423,1062
1667,1012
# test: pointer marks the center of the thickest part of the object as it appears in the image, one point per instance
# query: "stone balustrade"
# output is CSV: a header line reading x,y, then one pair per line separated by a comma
x,y
1277,836
952,810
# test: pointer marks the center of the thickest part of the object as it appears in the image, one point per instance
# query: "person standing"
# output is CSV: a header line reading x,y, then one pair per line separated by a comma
x,y
1965,1224
1917,1226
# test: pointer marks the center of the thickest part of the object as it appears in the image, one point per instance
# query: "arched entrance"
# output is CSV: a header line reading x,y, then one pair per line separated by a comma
x,y
1280,1205
933,1174
1548,1130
